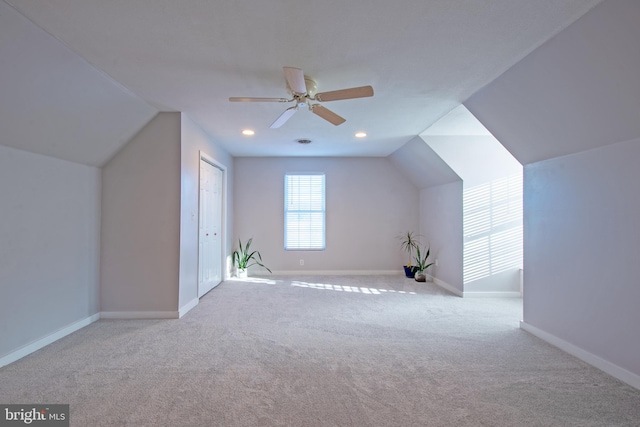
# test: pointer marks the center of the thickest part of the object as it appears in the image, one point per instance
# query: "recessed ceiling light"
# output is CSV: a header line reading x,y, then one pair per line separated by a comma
x,y
361,134
248,132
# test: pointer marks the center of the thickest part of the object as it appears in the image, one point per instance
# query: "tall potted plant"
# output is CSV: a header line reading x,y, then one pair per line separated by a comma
x,y
243,258
409,242
422,264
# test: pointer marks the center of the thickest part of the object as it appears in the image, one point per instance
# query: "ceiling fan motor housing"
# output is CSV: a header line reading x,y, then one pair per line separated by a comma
x,y
312,86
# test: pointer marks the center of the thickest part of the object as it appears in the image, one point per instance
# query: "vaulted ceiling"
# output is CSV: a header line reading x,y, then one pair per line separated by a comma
x,y
80,77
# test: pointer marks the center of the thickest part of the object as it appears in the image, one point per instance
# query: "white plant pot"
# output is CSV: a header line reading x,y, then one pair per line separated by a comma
x,y
241,273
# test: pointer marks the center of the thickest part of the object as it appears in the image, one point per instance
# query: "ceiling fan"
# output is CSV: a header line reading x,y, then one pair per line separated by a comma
x,y
303,90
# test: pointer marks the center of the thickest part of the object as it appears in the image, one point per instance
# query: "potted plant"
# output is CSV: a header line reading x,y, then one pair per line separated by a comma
x,y
409,242
422,264
243,259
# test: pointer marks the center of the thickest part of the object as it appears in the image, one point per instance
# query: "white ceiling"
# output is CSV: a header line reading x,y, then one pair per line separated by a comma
x,y
423,58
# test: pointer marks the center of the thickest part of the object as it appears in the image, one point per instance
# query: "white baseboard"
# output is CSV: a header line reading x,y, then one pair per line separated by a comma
x,y
444,285
614,370
187,307
42,342
139,315
491,295
334,273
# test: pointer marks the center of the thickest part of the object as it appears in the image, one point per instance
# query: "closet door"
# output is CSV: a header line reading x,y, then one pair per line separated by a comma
x,y
210,228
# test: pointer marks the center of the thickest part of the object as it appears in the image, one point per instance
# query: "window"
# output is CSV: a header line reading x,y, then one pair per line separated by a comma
x,y
304,215
492,227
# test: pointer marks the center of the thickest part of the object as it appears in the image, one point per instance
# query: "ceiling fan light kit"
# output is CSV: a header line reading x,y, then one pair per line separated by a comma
x,y
303,90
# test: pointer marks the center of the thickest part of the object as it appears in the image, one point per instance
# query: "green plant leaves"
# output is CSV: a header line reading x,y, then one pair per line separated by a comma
x,y
244,259
421,260
409,242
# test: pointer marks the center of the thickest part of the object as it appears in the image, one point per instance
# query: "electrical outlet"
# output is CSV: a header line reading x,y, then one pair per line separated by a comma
x,y
301,262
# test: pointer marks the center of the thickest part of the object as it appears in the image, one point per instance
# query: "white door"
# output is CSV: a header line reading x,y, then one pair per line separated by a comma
x,y
210,228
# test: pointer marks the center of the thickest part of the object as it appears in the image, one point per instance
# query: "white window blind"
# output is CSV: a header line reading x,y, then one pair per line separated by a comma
x,y
492,227
304,214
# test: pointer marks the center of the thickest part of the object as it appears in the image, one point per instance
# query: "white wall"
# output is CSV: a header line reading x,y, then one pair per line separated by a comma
x,y
578,92
194,141
368,204
440,209
582,246
140,237
441,224
49,246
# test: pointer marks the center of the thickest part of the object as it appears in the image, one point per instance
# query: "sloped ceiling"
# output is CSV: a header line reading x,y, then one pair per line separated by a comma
x,y
423,58
456,147
421,165
53,102
468,148
458,122
576,92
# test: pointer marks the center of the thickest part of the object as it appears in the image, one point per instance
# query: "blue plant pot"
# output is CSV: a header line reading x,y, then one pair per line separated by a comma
x,y
410,272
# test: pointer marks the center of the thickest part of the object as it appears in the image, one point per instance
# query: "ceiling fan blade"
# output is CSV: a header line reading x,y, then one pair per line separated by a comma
x,y
295,78
327,114
354,92
241,99
286,115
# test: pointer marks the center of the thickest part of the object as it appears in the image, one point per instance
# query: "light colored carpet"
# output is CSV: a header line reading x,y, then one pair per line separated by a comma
x,y
321,351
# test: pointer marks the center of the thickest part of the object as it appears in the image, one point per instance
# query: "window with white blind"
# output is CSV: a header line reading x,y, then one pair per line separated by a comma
x,y
304,214
492,227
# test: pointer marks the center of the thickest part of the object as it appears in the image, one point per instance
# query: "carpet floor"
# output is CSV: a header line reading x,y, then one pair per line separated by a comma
x,y
321,351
